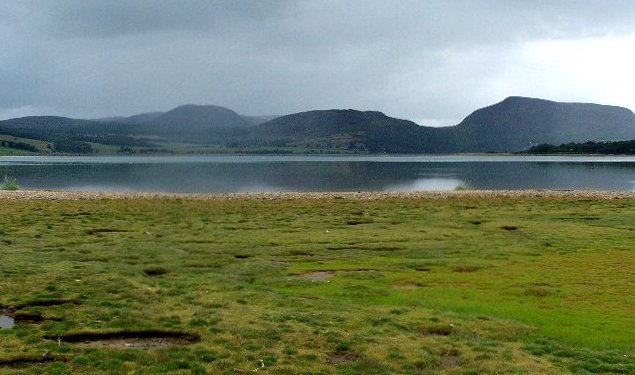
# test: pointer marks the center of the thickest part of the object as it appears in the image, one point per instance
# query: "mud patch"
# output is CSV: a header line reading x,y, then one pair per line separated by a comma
x,y
104,230
539,291
406,286
21,316
465,269
151,338
448,361
20,362
340,358
148,339
422,269
10,315
155,271
435,330
319,275
145,343
509,227
6,321
46,302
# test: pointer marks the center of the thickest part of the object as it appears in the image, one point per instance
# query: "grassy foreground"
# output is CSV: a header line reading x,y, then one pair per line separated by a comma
x,y
454,285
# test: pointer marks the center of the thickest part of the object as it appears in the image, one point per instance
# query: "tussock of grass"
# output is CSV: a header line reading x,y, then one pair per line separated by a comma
x,y
465,269
437,330
539,291
9,183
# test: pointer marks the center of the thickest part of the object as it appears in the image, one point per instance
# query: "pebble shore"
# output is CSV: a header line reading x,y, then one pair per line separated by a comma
x,y
70,195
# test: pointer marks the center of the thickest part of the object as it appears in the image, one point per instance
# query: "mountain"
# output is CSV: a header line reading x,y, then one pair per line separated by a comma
x,y
342,130
205,124
517,123
192,118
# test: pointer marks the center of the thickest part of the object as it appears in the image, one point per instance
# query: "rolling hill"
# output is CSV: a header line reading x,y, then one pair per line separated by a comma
x,y
340,130
518,123
515,124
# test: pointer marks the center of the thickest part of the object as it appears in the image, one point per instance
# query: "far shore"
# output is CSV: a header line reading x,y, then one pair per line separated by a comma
x,y
82,195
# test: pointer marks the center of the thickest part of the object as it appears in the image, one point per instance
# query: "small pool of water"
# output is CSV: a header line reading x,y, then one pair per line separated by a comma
x,y
6,321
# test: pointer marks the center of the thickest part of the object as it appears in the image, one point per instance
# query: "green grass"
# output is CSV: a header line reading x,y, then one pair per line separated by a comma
x,y
41,145
461,285
9,184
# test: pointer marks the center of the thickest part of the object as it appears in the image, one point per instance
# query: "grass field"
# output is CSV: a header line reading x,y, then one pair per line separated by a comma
x,y
454,285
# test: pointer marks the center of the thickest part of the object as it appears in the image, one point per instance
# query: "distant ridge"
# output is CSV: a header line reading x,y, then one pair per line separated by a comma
x,y
517,123
197,117
514,124
341,129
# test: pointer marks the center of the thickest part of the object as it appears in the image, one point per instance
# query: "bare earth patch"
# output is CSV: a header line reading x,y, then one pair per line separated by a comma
x,y
320,275
340,358
138,343
406,286
147,339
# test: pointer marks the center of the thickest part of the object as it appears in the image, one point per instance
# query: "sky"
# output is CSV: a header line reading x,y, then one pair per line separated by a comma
x,y
432,62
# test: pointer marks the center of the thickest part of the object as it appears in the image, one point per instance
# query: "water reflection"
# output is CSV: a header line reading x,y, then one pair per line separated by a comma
x,y
279,173
439,183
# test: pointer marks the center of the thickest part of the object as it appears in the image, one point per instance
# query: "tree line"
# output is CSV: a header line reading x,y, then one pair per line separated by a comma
x,y
604,148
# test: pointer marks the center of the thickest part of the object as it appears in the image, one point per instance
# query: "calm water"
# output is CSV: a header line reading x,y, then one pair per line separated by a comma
x,y
318,173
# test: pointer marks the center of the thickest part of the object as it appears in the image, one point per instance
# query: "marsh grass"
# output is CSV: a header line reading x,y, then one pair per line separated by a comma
x,y
462,187
9,183
416,288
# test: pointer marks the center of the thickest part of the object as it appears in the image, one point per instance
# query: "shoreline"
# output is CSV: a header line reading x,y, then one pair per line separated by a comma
x,y
422,194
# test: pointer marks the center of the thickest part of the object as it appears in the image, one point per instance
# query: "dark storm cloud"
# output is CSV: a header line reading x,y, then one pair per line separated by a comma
x,y
432,60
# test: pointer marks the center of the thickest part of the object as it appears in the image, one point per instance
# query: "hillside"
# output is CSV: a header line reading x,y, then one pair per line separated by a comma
x,y
204,124
340,130
518,123
515,124
68,135
193,118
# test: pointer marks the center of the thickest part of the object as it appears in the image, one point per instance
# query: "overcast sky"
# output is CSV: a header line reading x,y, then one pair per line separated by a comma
x,y
432,62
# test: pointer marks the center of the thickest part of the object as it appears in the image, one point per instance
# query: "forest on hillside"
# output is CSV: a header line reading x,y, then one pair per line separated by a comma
x,y
603,148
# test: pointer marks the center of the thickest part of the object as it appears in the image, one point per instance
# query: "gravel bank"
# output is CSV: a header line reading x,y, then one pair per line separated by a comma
x,y
70,195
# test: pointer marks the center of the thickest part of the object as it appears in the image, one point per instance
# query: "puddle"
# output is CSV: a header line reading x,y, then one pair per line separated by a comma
x,y
128,339
23,362
138,343
6,321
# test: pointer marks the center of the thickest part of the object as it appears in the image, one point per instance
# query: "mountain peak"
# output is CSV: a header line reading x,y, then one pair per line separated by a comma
x,y
518,122
198,117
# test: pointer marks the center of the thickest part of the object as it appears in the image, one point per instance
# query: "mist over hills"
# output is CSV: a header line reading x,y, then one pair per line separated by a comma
x,y
515,124
195,116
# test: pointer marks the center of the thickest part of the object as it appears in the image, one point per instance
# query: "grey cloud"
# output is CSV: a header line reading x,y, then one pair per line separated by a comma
x,y
412,59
